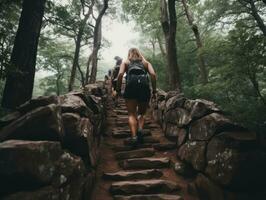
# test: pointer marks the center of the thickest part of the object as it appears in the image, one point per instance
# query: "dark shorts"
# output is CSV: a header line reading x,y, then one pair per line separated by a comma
x,y
137,92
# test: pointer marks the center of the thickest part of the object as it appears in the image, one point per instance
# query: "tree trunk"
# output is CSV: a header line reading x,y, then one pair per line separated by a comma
x,y
75,61
97,39
81,75
94,59
194,27
77,51
168,22
2,61
153,43
20,75
58,85
257,17
161,46
88,69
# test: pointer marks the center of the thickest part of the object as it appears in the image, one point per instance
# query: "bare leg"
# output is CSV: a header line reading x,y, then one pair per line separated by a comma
x,y
142,108
132,116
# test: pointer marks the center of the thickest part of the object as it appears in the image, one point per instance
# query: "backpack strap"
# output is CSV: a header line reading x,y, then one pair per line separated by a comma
x,y
136,65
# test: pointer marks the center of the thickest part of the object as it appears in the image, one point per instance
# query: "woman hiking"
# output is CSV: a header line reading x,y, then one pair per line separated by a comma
x,y
137,91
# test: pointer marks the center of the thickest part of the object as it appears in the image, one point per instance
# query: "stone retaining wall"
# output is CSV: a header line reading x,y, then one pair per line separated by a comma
x,y
50,146
224,155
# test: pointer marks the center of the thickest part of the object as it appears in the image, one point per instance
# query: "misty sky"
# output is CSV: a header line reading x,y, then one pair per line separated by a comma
x,y
121,36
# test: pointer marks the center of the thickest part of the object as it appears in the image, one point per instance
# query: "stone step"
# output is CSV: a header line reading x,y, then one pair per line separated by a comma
x,y
127,133
121,107
131,175
123,123
121,117
124,118
143,187
150,140
152,125
139,153
118,148
149,197
121,112
145,163
165,146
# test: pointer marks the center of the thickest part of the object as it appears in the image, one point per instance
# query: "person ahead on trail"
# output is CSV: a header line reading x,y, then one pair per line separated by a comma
x,y
137,92
115,71
114,75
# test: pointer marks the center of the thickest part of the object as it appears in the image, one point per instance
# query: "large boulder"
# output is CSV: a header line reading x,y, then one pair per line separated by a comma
x,y
193,152
207,189
33,165
182,137
92,142
75,139
7,119
173,93
93,108
234,161
74,104
45,193
94,89
210,125
93,102
80,138
200,107
161,95
43,123
173,132
37,102
178,116
71,123
175,101
161,108
155,116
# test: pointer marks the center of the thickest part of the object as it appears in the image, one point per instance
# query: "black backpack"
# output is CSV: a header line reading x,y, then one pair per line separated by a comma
x,y
137,74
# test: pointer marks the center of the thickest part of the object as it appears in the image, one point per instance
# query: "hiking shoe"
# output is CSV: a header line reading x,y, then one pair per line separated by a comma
x,y
140,136
133,141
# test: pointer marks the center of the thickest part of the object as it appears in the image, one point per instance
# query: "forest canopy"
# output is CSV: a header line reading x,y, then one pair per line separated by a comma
x,y
211,49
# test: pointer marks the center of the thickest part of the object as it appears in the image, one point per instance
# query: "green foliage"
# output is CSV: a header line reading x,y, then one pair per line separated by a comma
x,y
159,66
67,18
9,15
237,76
54,61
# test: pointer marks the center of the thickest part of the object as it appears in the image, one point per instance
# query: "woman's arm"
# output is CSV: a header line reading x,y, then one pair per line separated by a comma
x,y
153,76
120,76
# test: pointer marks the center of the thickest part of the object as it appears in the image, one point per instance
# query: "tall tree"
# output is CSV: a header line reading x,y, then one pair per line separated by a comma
x,y
78,41
20,75
169,22
72,21
195,29
97,42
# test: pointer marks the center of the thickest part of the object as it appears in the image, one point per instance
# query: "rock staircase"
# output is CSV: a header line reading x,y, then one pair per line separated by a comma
x,y
143,172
